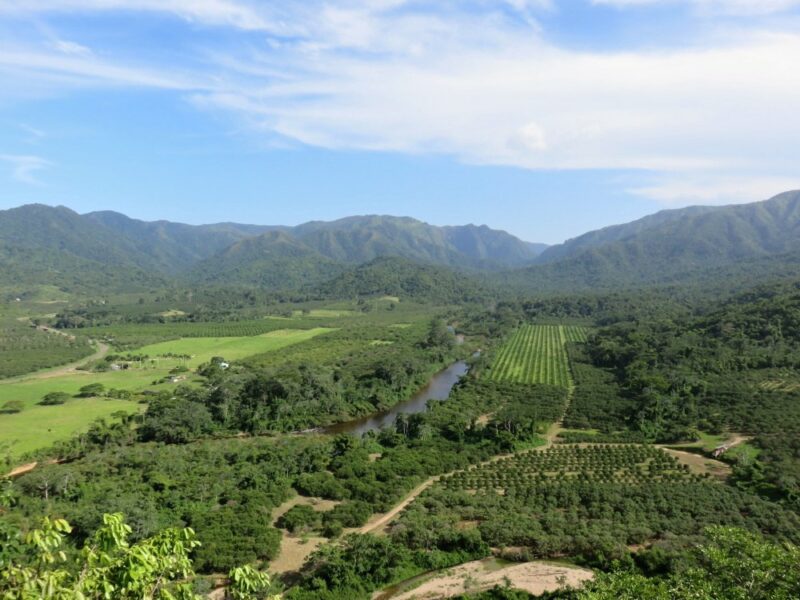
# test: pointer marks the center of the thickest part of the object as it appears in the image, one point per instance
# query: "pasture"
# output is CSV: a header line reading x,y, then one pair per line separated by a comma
x,y
42,426
537,354
202,349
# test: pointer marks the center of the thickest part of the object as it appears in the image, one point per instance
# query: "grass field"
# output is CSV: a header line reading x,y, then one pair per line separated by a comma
x,y
39,426
43,425
232,348
537,354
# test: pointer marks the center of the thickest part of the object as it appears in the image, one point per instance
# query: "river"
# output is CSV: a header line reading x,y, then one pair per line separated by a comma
x,y
438,388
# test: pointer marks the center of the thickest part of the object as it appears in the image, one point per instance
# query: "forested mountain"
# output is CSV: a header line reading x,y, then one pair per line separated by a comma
x,y
175,247
675,246
361,239
273,260
700,232
56,246
45,245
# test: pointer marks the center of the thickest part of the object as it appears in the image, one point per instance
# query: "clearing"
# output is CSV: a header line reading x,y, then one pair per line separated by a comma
x,y
533,577
296,548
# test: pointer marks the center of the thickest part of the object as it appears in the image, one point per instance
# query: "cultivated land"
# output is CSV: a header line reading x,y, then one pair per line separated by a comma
x,y
537,354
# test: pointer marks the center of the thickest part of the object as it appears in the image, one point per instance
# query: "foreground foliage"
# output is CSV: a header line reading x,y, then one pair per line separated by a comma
x,y
109,566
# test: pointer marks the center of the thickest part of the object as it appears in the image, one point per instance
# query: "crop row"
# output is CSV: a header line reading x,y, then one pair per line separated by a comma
x,y
633,464
575,333
534,354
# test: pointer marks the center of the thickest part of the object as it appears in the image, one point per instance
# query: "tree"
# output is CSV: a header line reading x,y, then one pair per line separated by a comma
x,y
735,565
54,398
93,389
109,566
12,406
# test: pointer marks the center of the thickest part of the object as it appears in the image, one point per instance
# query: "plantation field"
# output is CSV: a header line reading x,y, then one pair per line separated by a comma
x,y
24,349
629,464
537,354
231,348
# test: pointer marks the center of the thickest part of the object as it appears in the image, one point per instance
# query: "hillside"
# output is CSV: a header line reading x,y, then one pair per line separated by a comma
x,y
175,247
42,245
362,239
674,246
56,246
401,277
273,260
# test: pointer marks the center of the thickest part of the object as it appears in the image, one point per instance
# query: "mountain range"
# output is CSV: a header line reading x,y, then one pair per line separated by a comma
x,y
42,245
57,246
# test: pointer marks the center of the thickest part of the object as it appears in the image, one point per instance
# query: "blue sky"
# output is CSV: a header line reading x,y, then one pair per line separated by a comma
x,y
546,118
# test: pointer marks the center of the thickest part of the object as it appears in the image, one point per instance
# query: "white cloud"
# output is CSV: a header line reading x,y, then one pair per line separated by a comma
x,y
24,167
725,188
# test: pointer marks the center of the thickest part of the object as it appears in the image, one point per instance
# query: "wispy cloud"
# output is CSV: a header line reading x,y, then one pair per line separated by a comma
x,y
211,12
730,7
33,134
25,167
67,47
724,188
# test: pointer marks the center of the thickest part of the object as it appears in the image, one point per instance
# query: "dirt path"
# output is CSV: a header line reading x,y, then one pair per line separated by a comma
x,y
21,470
736,439
381,520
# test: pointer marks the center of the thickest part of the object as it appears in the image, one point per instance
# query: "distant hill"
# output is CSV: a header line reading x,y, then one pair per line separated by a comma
x,y
361,239
42,245
56,246
273,260
672,246
175,247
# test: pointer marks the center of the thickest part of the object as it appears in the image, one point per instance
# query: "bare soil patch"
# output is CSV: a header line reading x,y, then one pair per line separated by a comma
x,y
296,548
700,464
532,577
